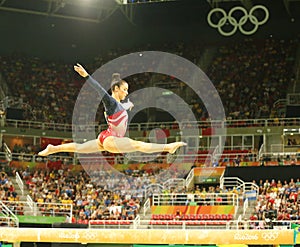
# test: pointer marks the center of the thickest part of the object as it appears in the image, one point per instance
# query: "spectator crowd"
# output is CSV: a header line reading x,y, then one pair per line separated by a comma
x,y
249,76
278,201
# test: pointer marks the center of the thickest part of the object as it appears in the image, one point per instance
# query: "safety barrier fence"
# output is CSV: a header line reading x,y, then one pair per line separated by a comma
x,y
32,205
134,158
7,217
173,199
20,183
193,224
147,126
239,185
32,208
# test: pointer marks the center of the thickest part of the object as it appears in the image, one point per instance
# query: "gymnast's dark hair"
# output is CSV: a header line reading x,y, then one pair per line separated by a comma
x,y
116,81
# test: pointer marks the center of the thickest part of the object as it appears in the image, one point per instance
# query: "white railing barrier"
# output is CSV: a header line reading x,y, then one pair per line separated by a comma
x,y
32,205
7,222
152,189
238,184
43,208
8,215
249,186
216,155
277,148
101,160
260,152
36,158
282,155
222,180
245,207
239,224
236,204
238,221
146,126
231,182
116,224
186,158
242,187
190,178
7,152
20,183
147,206
199,199
178,183
136,222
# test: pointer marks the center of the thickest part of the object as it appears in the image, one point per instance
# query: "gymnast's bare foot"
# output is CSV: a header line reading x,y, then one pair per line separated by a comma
x,y
172,147
50,149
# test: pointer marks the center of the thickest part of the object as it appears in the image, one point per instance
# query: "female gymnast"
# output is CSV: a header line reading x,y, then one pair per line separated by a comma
x,y
112,139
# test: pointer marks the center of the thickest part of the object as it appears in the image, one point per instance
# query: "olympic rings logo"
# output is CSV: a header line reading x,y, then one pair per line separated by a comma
x,y
238,24
90,236
270,235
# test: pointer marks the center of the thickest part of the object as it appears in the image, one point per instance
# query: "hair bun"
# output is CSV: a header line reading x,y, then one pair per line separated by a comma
x,y
116,77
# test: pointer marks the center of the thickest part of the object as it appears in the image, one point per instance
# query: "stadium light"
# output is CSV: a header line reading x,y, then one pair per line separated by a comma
x,y
142,1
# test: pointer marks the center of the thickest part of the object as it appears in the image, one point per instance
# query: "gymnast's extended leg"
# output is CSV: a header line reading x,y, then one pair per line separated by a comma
x,y
126,145
87,147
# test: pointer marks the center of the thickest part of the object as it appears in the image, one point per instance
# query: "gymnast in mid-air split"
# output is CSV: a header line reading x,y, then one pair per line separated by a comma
x,y
113,138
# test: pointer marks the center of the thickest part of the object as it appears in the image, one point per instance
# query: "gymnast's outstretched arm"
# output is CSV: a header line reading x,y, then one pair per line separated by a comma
x,y
109,102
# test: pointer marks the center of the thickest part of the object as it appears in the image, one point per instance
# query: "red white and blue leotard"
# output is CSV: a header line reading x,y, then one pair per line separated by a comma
x,y
115,112
117,125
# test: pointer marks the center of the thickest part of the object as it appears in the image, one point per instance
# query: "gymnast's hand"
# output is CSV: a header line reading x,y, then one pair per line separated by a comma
x,y
128,105
80,70
131,105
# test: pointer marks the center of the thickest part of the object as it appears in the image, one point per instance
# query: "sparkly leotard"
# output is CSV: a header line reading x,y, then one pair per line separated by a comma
x,y
115,113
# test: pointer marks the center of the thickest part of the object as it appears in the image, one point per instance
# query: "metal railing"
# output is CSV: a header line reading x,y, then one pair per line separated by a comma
x,y
229,157
263,224
35,158
7,152
281,155
185,158
174,183
136,222
261,151
245,206
40,208
167,125
174,199
38,125
251,187
189,178
115,224
32,205
238,184
7,217
192,224
240,187
147,206
277,148
101,159
152,189
20,183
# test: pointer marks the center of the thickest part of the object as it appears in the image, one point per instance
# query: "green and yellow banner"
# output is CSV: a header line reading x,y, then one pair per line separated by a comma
x,y
296,227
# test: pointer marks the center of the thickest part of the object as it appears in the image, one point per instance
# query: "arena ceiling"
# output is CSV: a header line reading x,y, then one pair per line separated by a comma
x,y
80,28
100,10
